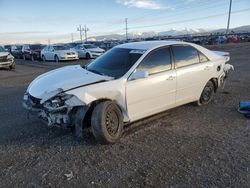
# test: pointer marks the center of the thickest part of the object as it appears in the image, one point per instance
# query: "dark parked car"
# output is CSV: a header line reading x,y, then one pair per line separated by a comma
x,y
16,51
7,48
32,51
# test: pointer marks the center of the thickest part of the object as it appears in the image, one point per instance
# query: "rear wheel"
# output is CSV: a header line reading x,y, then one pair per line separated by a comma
x,y
32,58
88,56
107,122
207,93
56,59
43,58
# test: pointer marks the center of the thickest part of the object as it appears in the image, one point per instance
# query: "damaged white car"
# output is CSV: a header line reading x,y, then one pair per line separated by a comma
x,y
129,82
6,59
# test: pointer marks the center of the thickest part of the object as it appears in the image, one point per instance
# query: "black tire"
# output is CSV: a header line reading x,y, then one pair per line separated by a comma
x,y
207,93
13,66
43,58
107,122
32,58
88,56
56,59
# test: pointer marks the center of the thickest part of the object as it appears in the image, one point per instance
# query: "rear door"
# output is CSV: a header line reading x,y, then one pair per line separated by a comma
x,y
193,72
155,93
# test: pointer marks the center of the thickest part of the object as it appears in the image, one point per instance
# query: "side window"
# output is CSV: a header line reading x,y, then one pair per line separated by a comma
x,y
185,55
157,61
51,49
203,58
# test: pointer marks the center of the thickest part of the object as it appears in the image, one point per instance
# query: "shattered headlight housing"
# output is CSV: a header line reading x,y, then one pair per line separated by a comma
x,y
10,58
57,109
62,102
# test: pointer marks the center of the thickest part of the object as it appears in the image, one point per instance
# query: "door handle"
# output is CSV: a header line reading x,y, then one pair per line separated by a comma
x,y
171,78
207,68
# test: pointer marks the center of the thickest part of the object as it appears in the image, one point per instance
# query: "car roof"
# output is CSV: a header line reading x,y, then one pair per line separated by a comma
x,y
150,45
147,45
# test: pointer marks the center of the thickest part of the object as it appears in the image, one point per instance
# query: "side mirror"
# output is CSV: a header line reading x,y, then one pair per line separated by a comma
x,y
138,74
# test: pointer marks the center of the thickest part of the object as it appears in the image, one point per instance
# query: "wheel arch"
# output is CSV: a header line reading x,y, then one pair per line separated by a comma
x,y
215,82
94,103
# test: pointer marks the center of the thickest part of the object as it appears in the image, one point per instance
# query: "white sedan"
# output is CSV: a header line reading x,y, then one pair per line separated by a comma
x,y
88,51
129,82
58,53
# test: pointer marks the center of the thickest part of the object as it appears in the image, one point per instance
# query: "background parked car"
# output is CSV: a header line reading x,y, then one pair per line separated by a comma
x,y
32,51
88,51
6,59
7,48
58,53
16,51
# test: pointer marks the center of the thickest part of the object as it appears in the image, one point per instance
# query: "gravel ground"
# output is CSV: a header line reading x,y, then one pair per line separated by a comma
x,y
188,146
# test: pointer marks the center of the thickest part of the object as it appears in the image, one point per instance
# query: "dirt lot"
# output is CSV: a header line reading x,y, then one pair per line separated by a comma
x,y
188,146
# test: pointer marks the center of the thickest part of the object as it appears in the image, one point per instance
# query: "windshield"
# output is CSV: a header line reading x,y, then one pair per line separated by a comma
x,y
115,63
36,47
61,47
89,46
2,49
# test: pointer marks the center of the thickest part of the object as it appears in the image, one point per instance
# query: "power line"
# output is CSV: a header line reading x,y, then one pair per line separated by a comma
x,y
201,6
189,20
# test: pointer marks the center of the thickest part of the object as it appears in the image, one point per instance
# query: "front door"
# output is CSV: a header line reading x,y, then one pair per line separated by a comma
x,y
155,93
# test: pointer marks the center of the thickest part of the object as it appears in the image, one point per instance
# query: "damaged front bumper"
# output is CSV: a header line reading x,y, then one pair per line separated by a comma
x,y
56,108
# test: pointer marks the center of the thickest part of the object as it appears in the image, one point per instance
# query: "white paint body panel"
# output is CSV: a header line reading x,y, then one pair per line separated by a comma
x,y
136,98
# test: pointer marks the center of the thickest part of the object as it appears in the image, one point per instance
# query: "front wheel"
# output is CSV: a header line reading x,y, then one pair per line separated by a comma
x,y
107,122
32,58
207,93
56,59
88,56
43,58
13,66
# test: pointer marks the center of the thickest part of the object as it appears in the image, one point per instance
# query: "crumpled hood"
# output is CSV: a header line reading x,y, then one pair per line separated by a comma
x,y
3,54
64,78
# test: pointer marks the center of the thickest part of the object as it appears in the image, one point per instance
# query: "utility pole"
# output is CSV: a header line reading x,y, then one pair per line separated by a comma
x,y
85,31
80,29
229,15
72,37
126,27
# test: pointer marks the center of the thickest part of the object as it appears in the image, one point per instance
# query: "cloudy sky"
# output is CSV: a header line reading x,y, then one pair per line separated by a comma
x,y
30,21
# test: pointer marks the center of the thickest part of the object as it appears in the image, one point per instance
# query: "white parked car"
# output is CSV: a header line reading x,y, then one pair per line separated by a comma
x,y
6,59
88,51
58,53
129,82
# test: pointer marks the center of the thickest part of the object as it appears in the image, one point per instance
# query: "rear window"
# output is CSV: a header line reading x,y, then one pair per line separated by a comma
x,y
36,47
203,58
185,55
61,47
